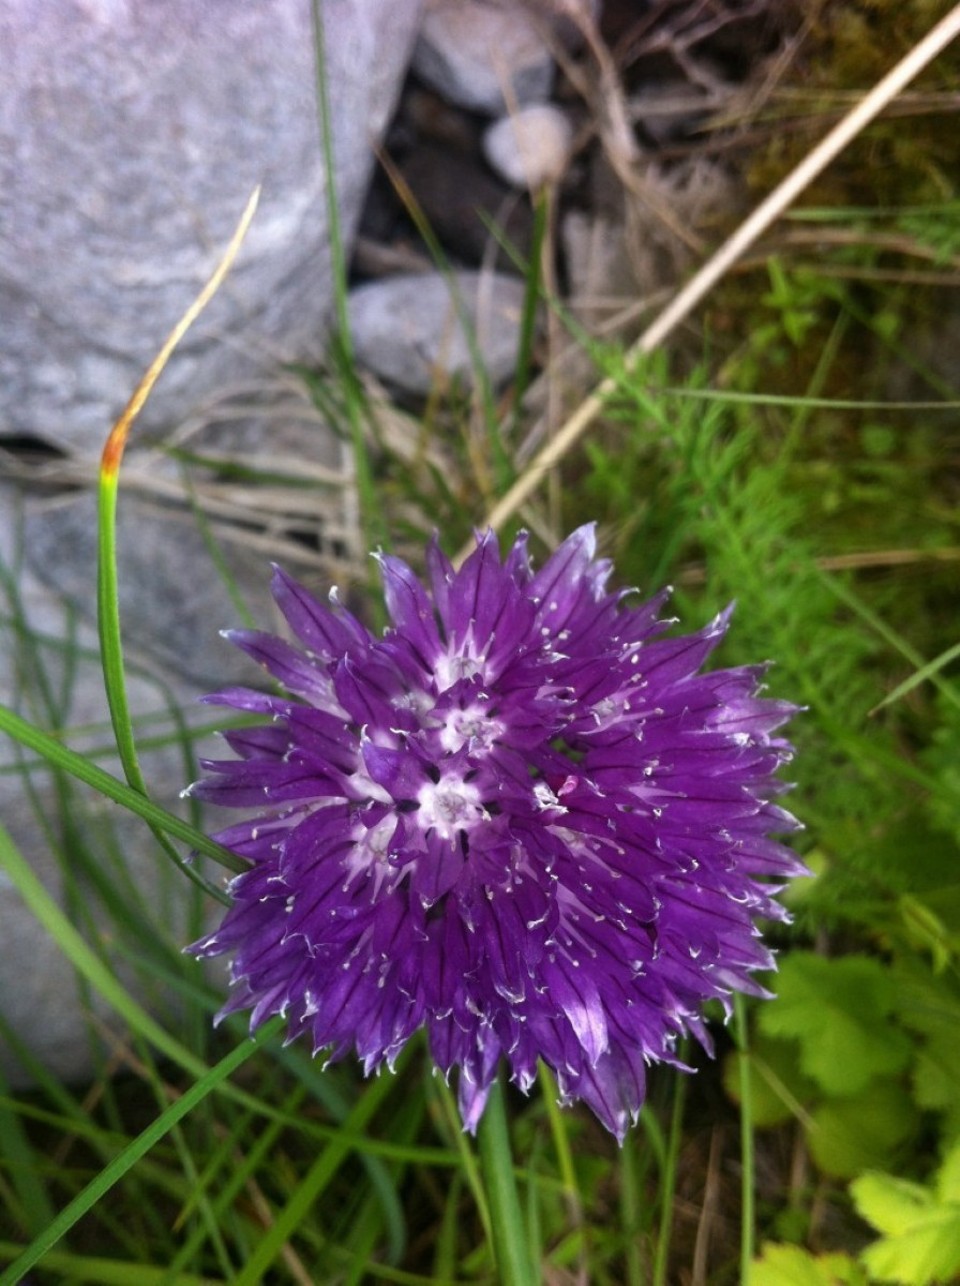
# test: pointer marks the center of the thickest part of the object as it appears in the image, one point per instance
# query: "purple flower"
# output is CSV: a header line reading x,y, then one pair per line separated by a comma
x,y
520,819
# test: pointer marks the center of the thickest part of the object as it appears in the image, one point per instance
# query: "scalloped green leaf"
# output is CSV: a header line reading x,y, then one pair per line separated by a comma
x,y
838,1010
792,1266
936,1074
927,1252
850,1135
890,1204
929,1005
920,1244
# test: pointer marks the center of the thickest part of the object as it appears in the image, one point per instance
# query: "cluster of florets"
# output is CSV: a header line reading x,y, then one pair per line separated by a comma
x,y
521,819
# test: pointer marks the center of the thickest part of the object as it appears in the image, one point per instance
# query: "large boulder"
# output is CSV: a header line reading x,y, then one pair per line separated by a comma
x,y
131,135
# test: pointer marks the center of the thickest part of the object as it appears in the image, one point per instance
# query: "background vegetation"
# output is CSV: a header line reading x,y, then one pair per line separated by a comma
x,y
795,447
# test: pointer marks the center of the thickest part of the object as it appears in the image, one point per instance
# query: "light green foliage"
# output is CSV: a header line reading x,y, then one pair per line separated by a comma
x,y
792,1266
838,1011
829,1053
920,1225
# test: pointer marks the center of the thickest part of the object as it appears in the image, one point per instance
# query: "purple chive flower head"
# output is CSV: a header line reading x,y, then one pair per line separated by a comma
x,y
521,819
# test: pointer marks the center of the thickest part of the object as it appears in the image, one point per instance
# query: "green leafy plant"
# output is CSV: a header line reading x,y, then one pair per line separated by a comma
x,y
920,1224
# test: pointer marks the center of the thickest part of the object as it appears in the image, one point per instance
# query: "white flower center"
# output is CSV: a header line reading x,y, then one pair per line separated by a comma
x,y
472,725
448,806
462,660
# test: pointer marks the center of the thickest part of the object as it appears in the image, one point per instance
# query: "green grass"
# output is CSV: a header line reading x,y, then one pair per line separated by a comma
x,y
766,462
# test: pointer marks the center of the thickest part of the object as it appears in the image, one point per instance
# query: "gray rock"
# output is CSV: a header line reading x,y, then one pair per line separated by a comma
x,y
59,684
131,135
407,329
530,147
173,602
471,51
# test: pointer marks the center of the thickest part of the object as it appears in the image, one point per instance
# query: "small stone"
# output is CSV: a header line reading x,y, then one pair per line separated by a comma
x,y
407,331
471,52
530,147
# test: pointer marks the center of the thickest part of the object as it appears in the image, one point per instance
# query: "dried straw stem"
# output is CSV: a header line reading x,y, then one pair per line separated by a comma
x,y
699,286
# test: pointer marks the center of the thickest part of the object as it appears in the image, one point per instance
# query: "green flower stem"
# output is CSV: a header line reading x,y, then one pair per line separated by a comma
x,y
668,1180
509,1240
747,1217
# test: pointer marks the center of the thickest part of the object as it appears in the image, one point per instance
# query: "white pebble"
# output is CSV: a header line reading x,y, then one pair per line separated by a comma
x,y
530,147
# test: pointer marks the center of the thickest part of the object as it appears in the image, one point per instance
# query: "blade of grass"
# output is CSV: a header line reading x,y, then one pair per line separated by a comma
x,y
559,1130
924,670
188,1165
18,1159
801,402
445,1244
239,1170
155,741
139,1147
106,1272
363,1234
322,1088
928,671
467,1157
631,1214
510,1247
312,1185
108,611
531,303
747,1157
503,467
668,1180
80,767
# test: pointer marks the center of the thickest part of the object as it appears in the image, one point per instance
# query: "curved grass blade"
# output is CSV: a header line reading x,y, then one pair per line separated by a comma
x,y
108,614
106,1272
929,671
56,753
